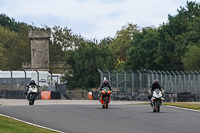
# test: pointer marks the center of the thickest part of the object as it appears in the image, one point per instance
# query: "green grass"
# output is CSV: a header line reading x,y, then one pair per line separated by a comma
x,y
8,125
146,103
188,105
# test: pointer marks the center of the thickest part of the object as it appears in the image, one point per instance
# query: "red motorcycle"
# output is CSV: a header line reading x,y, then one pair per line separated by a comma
x,y
105,97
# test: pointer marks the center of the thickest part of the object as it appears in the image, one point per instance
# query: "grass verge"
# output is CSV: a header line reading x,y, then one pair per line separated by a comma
x,y
8,125
188,105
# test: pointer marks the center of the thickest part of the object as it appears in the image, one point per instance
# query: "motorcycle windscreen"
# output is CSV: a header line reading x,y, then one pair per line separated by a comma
x,y
105,89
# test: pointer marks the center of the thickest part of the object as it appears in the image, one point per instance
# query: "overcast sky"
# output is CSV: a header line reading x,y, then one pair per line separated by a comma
x,y
91,18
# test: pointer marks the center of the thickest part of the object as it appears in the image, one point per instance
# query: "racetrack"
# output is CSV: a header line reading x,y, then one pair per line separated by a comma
x,y
118,118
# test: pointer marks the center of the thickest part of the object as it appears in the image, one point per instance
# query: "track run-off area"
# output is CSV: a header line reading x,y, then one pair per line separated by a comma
x,y
87,116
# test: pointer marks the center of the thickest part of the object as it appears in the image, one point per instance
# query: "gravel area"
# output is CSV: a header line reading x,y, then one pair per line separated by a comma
x,y
20,102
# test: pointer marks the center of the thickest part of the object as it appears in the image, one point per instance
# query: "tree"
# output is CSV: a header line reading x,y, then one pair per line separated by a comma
x,y
141,55
84,63
191,59
15,49
10,23
121,42
65,38
106,41
176,35
3,58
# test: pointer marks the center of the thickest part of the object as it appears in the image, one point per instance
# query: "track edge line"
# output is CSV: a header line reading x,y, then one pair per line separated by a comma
x,y
182,108
32,123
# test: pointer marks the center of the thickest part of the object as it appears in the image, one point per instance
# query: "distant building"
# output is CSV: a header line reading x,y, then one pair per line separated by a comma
x,y
39,38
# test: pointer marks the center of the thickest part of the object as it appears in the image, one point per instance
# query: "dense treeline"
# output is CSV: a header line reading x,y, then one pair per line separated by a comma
x,y
174,45
14,44
169,47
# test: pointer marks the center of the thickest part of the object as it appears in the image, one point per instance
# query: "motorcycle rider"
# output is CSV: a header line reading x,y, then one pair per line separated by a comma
x,y
32,82
154,86
104,84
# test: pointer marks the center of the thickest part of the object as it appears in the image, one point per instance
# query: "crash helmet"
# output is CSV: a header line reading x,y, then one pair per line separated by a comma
x,y
156,81
105,82
32,82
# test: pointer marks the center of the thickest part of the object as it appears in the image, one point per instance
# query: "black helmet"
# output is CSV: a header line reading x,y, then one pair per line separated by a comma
x,y
156,81
106,82
32,82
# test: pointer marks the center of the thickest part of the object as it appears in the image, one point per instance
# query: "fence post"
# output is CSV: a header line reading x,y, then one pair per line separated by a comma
x,y
37,76
124,80
25,80
187,82
140,79
101,79
108,76
179,85
156,74
193,81
160,78
197,86
148,79
170,78
11,78
116,79
152,75
174,80
184,87
165,80
132,80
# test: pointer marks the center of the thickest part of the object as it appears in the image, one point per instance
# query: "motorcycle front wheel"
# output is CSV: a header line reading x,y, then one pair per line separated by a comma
x,y
31,101
158,106
106,102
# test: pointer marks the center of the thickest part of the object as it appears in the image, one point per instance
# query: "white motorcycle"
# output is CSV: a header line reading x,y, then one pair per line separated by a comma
x,y
32,93
156,100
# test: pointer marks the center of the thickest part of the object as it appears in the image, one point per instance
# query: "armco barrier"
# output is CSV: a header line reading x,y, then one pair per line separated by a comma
x,y
186,97
55,95
12,94
46,95
136,96
19,94
141,96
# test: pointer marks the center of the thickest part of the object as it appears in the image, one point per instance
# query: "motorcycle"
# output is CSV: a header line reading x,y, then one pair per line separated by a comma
x,y
32,93
105,96
156,100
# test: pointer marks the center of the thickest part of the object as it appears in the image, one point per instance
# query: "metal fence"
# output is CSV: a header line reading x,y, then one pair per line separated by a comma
x,y
136,81
17,80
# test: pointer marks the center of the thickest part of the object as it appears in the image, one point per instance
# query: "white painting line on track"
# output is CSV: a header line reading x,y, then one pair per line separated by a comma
x,y
183,108
31,123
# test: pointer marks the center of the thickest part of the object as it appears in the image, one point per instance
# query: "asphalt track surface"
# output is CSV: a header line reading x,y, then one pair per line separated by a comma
x,y
115,119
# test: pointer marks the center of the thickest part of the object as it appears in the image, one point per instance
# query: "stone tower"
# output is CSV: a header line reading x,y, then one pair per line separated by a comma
x,y
39,38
